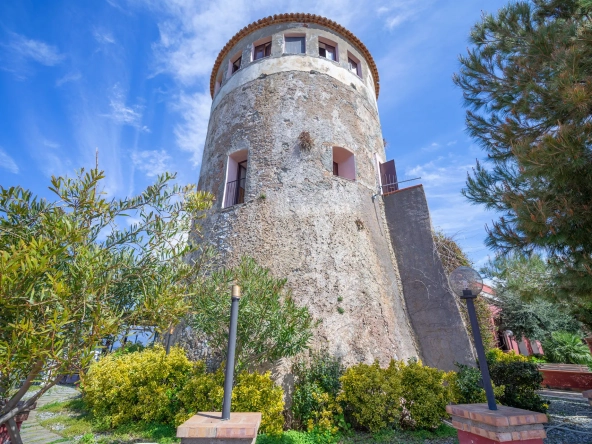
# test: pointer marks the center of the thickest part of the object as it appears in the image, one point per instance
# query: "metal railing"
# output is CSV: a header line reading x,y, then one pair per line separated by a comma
x,y
391,187
235,193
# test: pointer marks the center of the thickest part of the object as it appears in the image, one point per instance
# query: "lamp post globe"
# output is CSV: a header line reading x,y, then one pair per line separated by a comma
x,y
464,280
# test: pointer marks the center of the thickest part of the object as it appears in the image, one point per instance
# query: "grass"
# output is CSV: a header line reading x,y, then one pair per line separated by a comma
x,y
71,420
443,434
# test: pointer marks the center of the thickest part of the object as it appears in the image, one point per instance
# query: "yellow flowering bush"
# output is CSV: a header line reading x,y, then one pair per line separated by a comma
x,y
256,392
137,386
497,355
151,386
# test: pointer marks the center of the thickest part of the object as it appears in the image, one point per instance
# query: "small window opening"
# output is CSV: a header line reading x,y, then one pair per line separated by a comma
x,y
236,65
218,82
344,164
294,45
262,51
353,65
236,178
327,51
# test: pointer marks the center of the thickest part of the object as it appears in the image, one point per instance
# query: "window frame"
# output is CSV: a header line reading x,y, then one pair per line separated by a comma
x,y
351,58
295,36
238,57
266,45
345,168
326,42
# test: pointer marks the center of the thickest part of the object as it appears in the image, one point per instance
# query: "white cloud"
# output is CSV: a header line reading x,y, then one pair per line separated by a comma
x,y
191,133
399,12
443,178
152,163
103,37
123,114
50,143
70,77
8,162
36,50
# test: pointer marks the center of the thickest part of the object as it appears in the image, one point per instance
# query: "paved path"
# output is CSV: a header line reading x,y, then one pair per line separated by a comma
x,y
31,430
563,394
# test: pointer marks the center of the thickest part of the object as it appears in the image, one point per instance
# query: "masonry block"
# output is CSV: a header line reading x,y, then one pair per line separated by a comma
x,y
209,428
476,424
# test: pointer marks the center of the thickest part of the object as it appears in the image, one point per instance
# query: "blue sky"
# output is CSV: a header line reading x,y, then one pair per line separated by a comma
x,y
131,79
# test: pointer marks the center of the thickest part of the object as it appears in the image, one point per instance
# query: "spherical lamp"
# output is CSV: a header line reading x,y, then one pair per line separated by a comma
x,y
466,282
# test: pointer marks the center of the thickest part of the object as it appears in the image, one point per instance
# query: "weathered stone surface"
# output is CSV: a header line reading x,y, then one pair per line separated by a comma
x,y
305,229
326,234
433,310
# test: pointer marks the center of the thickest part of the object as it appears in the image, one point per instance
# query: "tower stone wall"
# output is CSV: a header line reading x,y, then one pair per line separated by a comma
x,y
325,233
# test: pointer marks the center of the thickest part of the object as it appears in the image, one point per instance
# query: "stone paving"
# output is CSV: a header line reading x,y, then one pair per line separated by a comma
x,y
31,431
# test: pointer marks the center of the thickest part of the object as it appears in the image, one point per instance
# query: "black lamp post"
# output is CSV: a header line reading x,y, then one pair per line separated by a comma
x,y
467,283
229,376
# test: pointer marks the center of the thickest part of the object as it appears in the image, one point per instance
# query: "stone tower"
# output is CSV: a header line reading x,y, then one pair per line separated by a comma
x,y
293,156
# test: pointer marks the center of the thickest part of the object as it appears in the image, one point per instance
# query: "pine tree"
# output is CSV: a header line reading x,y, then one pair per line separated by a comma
x,y
527,84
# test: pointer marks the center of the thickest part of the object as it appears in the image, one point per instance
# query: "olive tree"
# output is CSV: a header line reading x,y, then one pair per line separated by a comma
x,y
83,267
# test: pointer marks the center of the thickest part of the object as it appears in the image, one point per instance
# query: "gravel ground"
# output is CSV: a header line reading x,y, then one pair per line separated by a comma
x,y
570,422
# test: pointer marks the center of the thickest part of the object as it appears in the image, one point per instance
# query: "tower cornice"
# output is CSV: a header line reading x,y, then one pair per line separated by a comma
x,y
295,17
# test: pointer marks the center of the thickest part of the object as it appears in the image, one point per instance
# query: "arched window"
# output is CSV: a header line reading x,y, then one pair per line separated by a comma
x,y
344,163
236,179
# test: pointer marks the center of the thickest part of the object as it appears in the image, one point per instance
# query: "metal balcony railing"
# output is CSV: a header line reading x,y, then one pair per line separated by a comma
x,y
235,193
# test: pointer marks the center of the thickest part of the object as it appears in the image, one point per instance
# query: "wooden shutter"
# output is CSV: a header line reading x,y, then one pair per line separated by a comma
x,y
388,177
294,45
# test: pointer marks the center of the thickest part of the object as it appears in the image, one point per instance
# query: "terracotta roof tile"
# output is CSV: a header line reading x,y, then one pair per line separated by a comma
x,y
295,17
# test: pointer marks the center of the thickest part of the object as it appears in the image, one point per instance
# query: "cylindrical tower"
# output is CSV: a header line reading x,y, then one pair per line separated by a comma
x,y
291,155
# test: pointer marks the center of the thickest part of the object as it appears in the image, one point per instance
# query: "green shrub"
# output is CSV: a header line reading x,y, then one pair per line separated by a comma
x,y
404,395
425,393
316,386
566,348
139,386
521,380
371,396
468,386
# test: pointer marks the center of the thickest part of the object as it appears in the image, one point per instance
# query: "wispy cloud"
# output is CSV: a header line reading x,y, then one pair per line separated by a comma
x,y
7,162
50,143
70,77
123,114
35,50
399,12
103,36
191,133
443,178
152,163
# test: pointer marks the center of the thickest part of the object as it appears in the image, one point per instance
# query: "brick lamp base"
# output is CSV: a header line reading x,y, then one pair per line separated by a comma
x,y
208,428
476,424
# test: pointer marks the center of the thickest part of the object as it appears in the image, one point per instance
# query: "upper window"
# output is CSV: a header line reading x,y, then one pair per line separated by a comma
x,y
353,65
261,51
295,45
236,65
344,164
327,51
